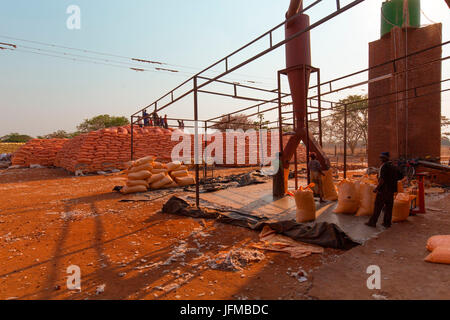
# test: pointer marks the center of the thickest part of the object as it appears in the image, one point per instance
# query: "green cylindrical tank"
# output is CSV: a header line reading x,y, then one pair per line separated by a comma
x,y
392,15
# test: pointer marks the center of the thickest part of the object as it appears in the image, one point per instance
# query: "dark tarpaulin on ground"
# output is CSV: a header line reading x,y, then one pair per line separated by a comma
x,y
231,181
324,234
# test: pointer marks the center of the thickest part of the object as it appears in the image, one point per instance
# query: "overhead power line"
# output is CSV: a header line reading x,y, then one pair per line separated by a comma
x,y
132,59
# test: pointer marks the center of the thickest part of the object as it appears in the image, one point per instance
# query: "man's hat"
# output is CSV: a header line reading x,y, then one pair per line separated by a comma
x,y
384,155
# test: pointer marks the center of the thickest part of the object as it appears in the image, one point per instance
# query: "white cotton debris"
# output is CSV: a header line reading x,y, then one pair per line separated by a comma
x,y
235,260
182,279
301,275
36,166
379,297
100,289
179,253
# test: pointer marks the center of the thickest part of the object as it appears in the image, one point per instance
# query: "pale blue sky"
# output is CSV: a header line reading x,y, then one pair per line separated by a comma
x,y
41,94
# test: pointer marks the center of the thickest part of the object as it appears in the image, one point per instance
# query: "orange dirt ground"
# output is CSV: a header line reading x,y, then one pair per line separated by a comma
x,y
50,220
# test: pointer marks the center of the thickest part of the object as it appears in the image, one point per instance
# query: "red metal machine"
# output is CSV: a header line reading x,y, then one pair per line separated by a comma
x,y
298,69
421,193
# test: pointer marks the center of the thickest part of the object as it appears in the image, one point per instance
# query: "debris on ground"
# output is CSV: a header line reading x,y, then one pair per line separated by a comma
x,y
179,253
434,190
147,196
325,234
231,181
100,289
270,240
379,297
181,279
301,275
235,259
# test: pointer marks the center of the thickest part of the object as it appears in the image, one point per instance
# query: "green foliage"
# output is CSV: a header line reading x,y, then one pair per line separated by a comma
x,y
59,134
357,121
101,122
234,122
15,137
445,141
445,122
261,123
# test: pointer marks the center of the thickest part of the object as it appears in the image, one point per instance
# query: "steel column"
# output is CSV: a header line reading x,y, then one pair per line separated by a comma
x,y
132,139
345,141
205,171
320,109
308,174
196,158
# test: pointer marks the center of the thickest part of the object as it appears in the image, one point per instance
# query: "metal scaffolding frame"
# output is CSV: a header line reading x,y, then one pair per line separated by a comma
x,y
197,83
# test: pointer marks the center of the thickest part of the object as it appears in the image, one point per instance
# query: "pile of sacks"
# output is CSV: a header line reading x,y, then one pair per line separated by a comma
x,y
38,152
145,174
100,150
357,197
110,148
440,249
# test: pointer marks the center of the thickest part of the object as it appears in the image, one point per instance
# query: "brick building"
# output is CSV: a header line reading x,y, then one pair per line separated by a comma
x,y
405,107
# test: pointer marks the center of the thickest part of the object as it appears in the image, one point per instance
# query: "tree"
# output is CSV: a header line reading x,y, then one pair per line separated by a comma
x,y
101,122
15,137
445,141
234,122
59,134
357,121
261,123
445,122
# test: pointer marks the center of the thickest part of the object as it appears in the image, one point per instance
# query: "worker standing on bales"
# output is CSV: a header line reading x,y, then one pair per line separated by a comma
x,y
316,173
166,124
146,118
155,119
387,186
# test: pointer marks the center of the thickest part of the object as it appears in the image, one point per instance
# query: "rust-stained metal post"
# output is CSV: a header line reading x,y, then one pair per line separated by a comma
x,y
345,141
278,178
205,171
295,154
308,175
196,158
319,102
132,139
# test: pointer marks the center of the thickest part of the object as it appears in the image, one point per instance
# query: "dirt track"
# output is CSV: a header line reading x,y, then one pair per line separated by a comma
x,y
50,220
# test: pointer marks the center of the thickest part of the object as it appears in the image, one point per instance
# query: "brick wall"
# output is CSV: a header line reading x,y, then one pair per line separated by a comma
x,y
405,129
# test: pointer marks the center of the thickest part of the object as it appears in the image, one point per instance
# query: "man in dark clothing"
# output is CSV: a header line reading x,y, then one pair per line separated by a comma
x,y
387,186
146,118
155,119
316,173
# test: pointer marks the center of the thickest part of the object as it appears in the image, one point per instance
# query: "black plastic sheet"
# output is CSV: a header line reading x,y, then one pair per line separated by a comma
x,y
324,234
